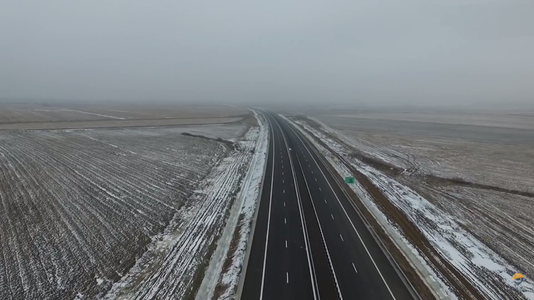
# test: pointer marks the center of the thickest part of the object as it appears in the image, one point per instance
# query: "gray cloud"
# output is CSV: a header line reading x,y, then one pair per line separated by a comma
x,y
389,51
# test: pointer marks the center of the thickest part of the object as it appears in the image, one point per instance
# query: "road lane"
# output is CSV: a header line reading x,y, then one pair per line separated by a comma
x,y
376,277
280,209
309,241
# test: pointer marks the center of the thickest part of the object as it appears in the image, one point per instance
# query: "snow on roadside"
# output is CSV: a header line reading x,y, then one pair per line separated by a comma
x,y
244,209
480,265
170,267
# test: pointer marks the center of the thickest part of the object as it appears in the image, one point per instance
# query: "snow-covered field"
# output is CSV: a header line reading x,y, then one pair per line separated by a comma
x,y
482,266
500,157
174,264
228,132
79,207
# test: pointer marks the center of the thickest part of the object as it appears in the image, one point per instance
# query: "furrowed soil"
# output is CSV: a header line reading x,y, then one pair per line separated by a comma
x,y
79,207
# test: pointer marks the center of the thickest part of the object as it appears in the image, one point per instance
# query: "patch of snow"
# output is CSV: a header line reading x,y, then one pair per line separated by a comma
x,y
230,278
243,212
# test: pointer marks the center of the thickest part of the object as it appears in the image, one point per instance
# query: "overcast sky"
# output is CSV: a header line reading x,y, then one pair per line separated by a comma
x,y
385,51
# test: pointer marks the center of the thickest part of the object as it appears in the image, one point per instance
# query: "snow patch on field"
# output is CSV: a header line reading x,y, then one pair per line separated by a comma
x,y
173,264
251,190
480,265
222,276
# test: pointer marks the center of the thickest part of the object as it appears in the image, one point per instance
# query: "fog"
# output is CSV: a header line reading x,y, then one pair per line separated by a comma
x,y
397,52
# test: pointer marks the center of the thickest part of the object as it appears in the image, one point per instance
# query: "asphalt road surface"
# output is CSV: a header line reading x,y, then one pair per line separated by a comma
x,y
309,242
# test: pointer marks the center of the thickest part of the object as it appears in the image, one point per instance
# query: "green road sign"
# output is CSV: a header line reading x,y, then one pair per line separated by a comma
x,y
349,179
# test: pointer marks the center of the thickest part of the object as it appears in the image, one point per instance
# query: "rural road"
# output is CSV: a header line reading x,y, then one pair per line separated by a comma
x,y
309,242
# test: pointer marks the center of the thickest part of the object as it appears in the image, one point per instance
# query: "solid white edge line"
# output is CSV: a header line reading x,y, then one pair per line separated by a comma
x,y
311,266
347,215
268,216
321,231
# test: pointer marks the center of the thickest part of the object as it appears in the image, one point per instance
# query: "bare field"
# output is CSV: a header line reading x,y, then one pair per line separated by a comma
x,y
140,111
79,207
517,120
482,176
115,123
32,116
499,157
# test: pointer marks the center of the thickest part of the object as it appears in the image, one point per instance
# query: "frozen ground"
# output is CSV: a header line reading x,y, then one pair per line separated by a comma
x,y
226,264
446,228
175,262
499,157
518,119
79,207
226,132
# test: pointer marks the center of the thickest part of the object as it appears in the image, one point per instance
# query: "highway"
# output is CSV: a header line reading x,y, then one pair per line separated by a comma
x,y
309,242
